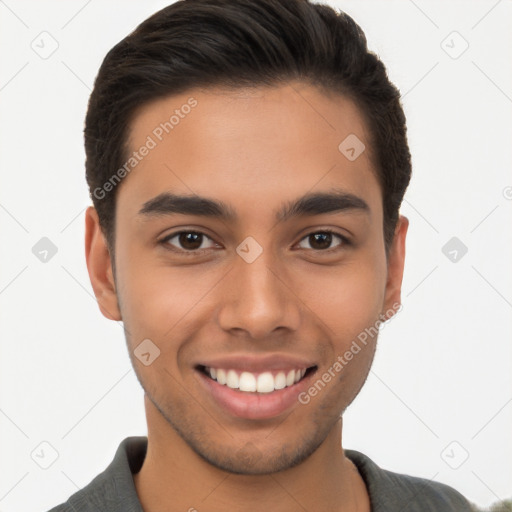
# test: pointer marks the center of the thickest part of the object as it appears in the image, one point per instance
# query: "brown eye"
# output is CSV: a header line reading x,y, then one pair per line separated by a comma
x,y
190,241
322,240
187,241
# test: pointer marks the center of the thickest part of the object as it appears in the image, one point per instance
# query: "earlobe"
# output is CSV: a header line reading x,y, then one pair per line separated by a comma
x,y
99,266
396,261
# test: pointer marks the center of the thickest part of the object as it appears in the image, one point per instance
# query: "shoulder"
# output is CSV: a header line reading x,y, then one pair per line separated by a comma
x,y
393,491
113,489
92,498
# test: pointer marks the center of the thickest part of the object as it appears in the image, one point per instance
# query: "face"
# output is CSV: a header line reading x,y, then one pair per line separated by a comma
x,y
248,302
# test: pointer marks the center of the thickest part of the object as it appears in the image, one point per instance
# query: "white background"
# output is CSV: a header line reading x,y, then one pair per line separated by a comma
x,y
442,371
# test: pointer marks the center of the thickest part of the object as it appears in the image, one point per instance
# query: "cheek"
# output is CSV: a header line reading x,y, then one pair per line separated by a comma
x,y
157,299
350,304
347,298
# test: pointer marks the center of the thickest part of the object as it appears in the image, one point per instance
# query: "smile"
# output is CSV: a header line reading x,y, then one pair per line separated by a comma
x,y
264,382
261,394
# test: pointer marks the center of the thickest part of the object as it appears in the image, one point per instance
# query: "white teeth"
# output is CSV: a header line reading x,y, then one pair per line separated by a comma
x,y
247,382
264,382
280,381
221,376
232,379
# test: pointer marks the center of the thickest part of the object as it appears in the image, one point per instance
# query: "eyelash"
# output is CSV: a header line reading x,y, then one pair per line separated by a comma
x,y
345,242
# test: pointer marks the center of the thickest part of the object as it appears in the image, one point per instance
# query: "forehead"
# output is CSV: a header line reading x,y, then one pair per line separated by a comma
x,y
249,146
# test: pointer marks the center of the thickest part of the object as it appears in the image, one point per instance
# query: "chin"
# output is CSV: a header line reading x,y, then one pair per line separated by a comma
x,y
250,460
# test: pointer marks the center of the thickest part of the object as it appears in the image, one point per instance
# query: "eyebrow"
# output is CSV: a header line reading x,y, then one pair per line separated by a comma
x,y
311,204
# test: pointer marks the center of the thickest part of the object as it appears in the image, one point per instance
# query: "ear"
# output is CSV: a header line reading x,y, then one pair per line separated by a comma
x,y
99,266
396,260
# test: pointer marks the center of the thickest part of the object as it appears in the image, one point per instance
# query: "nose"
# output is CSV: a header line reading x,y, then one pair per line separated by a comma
x,y
258,299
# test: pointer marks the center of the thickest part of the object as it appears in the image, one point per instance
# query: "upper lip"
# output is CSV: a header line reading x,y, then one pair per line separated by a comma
x,y
252,363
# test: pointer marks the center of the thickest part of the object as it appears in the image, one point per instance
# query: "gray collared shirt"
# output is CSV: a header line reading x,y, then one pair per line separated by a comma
x,y
113,490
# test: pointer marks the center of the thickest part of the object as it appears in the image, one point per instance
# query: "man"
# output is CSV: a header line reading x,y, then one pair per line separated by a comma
x,y
247,161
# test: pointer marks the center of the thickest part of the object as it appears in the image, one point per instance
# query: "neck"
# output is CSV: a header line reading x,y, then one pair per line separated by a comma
x,y
173,477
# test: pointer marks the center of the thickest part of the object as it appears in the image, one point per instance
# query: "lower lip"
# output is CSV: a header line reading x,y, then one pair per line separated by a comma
x,y
254,406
